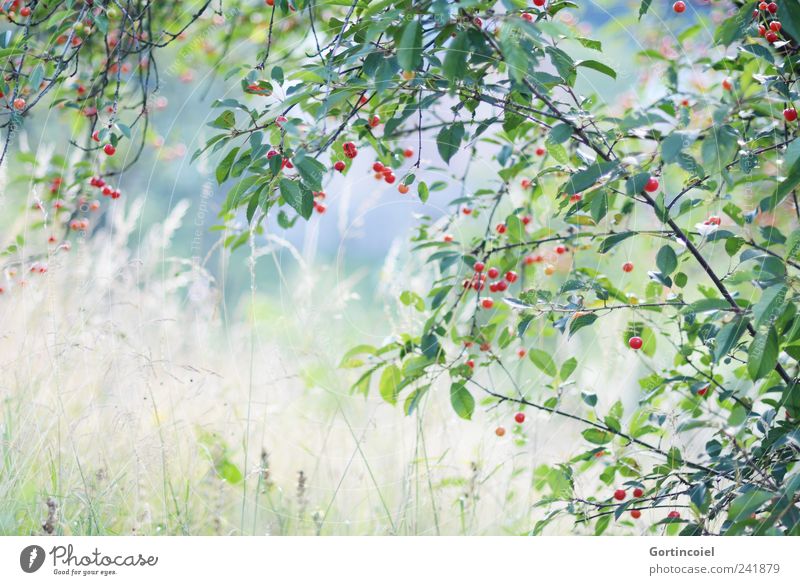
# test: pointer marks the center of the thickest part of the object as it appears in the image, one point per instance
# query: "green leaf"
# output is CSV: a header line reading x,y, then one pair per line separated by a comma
x,y
567,368
225,121
449,140
409,51
770,305
597,66
413,399
644,7
389,385
744,505
728,337
613,240
580,322
763,354
584,179
785,187
457,58
462,401
310,170
301,200
543,361
666,260
224,167
597,436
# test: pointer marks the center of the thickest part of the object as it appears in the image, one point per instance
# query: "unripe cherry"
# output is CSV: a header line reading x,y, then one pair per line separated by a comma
x,y
403,188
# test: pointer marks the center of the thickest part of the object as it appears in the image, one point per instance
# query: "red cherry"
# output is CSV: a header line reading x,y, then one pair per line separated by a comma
x,y
635,342
479,266
501,228
538,3
447,238
374,121
619,495
772,7
466,211
726,84
478,22
526,219
499,431
471,364
319,207
389,178
493,272
652,185
679,7
762,5
408,153
109,149
674,514
761,30
487,303
525,183
636,514
339,166
363,100
502,285
19,104
627,267
270,2
771,37
403,188
511,276
25,11
520,417
540,151
775,26
703,391
560,249
527,16
522,352
638,492
790,114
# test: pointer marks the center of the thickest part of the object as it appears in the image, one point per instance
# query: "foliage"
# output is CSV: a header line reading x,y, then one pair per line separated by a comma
x,y
571,182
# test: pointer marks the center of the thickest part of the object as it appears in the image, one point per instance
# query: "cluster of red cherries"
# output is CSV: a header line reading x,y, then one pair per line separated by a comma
x,y
107,191
621,494
478,281
519,418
